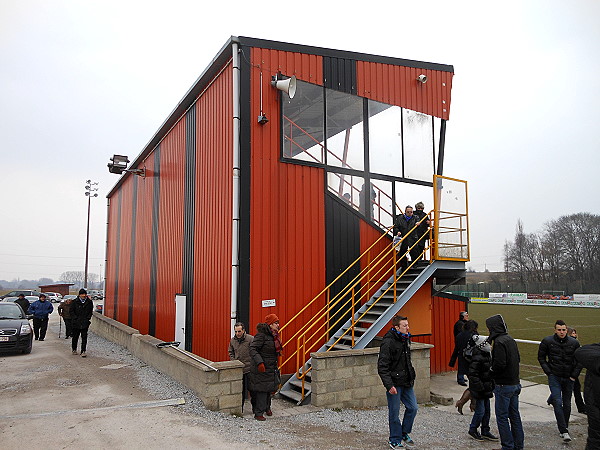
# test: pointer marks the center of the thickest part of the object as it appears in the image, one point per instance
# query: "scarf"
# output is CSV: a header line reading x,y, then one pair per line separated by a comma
x,y
278,345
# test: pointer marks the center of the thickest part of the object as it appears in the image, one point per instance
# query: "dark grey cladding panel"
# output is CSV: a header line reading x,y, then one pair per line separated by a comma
x,y
340,74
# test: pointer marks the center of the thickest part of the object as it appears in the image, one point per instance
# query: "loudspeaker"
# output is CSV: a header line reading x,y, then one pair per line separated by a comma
x,y
288,85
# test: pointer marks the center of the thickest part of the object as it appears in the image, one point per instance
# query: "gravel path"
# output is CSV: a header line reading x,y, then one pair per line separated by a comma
x,y
327,429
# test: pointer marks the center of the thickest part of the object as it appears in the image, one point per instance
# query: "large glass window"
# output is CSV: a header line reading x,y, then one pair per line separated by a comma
x,y
418,145
303,124
346,187
385,139
345,142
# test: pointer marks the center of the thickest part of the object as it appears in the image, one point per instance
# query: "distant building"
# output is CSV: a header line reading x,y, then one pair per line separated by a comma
x,y
60,288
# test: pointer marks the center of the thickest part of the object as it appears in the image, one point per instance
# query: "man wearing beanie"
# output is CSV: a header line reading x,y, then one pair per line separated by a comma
x,y
81,314
264,374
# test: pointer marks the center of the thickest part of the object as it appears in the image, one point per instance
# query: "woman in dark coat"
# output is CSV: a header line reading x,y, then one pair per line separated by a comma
x,y
264,374
481,386
462,339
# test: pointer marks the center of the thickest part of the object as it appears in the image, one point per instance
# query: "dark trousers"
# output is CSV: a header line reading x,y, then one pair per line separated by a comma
x,y
76,332
68,328
39,327
261,402
561,389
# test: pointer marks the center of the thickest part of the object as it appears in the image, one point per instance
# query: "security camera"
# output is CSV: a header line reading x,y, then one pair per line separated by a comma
x,y
422,78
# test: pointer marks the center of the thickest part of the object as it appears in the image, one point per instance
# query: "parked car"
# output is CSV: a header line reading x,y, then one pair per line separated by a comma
x,y
25,292
16,334
30,299
67,297
54,297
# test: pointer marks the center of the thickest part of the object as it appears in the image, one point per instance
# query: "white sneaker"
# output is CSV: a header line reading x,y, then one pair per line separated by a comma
x,y
565,437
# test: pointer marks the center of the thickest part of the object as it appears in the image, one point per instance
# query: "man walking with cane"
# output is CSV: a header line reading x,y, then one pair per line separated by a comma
x,y
64,311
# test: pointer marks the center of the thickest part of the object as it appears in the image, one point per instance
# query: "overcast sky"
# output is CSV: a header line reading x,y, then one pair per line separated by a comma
x,y
83,80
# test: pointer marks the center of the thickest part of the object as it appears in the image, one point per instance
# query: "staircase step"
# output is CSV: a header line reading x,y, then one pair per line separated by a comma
x,y
339,346
293,395
298,383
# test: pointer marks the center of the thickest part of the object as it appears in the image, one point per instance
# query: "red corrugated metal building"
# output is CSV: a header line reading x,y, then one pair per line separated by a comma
x,y
243,195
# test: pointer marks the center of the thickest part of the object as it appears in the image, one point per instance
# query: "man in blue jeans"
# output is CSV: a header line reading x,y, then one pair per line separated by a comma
x,y
505,371
398,376
556,355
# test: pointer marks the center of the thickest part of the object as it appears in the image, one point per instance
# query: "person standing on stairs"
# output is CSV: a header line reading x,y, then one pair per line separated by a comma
x,y
403,225
398,376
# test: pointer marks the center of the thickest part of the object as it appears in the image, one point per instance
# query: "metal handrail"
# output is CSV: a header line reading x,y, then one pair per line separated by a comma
x,y
380,191
373,270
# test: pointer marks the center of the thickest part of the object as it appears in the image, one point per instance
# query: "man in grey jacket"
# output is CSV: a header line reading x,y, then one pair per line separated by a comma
x,y
239,349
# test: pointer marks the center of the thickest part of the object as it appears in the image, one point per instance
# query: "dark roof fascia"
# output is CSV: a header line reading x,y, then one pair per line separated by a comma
x,y
453,296
188,99
320,51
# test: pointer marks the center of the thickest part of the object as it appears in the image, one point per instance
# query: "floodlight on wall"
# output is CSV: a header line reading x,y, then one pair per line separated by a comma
x,y
287,85
422,78
119,165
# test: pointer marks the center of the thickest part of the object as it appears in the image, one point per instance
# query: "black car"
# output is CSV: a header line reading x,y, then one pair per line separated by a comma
x,y
16,334
18,292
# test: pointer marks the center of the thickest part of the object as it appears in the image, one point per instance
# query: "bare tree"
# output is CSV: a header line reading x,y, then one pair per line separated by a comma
x,y
73,276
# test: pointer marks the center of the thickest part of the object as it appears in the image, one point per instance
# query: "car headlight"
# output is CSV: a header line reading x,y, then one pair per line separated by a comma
x,y
25,328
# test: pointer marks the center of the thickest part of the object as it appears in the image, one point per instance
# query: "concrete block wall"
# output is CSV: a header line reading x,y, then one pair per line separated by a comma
x,y
349,379
219,387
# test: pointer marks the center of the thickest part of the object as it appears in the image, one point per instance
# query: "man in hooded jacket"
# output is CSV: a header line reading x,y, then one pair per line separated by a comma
x,y
589,357
505,372
398,376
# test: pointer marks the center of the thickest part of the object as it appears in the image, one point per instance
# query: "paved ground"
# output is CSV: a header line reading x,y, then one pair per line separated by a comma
x,y
54,399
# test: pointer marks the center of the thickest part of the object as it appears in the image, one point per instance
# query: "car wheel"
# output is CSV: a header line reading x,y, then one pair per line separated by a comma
x,y
27,351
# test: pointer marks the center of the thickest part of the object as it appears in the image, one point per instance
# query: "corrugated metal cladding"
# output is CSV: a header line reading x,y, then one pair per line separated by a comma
x,y
171,205
287,216
339,74
398,85
170,233
212,234
444,314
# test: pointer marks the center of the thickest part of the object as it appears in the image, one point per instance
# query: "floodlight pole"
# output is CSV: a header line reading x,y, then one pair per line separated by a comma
x,y
90,192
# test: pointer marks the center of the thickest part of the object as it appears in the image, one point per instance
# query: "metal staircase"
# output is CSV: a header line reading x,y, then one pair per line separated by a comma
x,y
353,308
371,318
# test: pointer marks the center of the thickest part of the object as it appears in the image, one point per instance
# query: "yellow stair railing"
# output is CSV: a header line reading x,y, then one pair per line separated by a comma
x,y
378,269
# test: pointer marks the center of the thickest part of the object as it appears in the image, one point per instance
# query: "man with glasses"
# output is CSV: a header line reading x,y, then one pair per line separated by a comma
x,y
239,349
398,376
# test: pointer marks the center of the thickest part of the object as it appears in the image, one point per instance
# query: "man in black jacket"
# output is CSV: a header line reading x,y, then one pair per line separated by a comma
x,y
81,312
23,303
589,357
422,229
398,376
556,355
505,371
403,225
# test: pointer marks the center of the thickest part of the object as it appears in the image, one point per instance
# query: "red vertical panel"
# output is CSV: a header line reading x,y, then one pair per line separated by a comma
x,y
398,85
124,250
213,230
170,229
445,314
111,249
143,236
287,218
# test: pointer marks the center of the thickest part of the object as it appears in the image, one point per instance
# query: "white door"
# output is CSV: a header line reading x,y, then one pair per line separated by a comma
x,y
180,306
